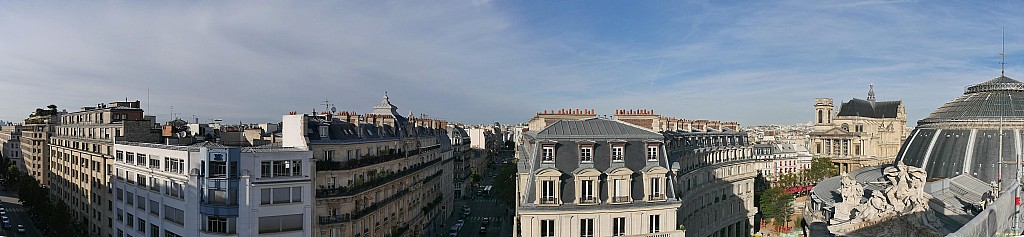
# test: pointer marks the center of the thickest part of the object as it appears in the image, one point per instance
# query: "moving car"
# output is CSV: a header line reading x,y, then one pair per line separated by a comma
x,y
483,229
21,229
486,221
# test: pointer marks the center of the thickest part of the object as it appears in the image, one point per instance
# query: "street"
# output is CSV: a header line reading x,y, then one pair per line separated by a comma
x,y
482,206
18,216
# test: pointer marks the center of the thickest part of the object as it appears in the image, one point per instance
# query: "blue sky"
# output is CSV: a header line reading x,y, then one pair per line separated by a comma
x,y
484,61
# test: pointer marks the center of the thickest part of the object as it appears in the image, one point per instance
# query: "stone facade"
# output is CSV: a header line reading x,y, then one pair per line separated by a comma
x,y
716,180
10,144
862,133
603,178
379,174
81,158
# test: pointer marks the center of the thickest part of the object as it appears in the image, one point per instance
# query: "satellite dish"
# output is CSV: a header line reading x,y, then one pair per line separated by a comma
x,y
333,109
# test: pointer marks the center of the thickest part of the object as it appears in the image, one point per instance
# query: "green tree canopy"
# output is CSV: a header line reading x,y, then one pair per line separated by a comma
x,y
776,205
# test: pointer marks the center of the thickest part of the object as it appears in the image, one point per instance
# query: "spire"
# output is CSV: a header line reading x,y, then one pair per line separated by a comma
x,y
871,92
1002,56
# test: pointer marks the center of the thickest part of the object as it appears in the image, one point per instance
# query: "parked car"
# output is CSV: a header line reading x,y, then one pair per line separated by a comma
x,y
483,229
486,221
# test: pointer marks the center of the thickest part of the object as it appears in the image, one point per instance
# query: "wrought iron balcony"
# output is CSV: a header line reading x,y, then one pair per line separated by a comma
x,y
620,199
588,200
548,200
657,197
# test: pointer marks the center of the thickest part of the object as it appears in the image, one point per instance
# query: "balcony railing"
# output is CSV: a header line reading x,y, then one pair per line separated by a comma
x,y
367,160
588,200
348,191
620,199
657,197
548,200
333,219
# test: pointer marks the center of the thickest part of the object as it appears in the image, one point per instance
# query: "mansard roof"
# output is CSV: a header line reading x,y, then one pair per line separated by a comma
x,y
596,128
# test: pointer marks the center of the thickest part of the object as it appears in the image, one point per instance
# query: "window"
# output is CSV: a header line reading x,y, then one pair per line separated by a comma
x,y
170,234
655,223
154,231
142,225
587,194
141,202
173,165
154,207
129,158
131,220
617,153
154,162
323,131
587,154
174,215
174,189
548,193
280,195
621,191
586,227
619,226
548,154
281,168
120,215
129,198
652,153
120,155
656,189
141,179
547,228
217,224
218,169
142,162
329,155
274,224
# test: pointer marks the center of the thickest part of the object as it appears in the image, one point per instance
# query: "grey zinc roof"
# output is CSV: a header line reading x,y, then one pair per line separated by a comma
x,y
864,108
595,128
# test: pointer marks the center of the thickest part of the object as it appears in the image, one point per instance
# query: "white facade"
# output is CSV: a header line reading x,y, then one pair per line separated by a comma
x,y
211,191
478,137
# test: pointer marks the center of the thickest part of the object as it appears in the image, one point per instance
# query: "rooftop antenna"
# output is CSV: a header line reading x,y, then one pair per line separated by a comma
x,y
1002,55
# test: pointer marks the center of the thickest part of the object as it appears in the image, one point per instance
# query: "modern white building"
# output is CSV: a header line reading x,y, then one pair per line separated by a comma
x,y
211,190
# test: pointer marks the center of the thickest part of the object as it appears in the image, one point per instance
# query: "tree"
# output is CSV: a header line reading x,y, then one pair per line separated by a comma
x,y
505,182
821,168
776,205
474,178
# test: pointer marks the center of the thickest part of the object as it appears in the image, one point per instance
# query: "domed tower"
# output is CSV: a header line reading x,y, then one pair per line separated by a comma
x,y
975,134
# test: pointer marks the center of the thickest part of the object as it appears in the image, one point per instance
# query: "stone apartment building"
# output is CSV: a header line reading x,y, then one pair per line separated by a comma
x,y
463,167
710,166
35,142
82,158
580,175
10,144
378,174
862,133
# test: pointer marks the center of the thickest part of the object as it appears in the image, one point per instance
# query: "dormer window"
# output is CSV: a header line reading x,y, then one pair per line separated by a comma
x,y
323,131
587,153
617,153
652,152
548,154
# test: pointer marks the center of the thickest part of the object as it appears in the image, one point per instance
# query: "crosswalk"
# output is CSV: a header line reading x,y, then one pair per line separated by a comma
x,y
481,218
